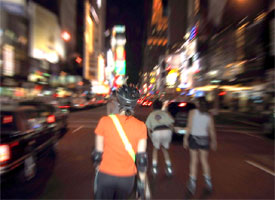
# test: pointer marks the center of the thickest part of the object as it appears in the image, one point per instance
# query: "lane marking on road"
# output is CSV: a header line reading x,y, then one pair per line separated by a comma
x,y
260,167
242,132
77,129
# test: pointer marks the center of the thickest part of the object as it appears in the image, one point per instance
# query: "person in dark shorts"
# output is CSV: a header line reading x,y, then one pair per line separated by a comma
x,y
116,165
200,137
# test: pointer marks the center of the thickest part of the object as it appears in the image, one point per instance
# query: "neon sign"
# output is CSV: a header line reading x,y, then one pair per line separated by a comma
x,y
193,33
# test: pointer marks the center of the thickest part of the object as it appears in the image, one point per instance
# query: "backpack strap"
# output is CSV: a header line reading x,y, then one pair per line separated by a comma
x,y
123,137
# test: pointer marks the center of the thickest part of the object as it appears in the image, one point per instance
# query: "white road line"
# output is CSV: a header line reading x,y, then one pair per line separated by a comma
x,y
241,132
77,129
260,167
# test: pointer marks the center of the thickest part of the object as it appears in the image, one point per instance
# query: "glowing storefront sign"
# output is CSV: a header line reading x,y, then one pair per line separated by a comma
x,y
119,29
193,33
171,78
45,38
101,66
8,60
120,63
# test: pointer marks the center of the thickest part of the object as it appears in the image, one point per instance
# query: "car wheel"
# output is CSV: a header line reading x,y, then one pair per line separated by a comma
x,y
30,168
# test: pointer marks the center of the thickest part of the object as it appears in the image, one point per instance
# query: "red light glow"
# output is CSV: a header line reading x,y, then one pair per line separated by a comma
x,y
7,119
182,104
66,36
78,60
222,93
51,119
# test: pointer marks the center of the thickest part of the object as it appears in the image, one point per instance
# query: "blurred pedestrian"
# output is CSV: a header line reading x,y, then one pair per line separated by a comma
x,y
120,150
200,137
159,124
113,105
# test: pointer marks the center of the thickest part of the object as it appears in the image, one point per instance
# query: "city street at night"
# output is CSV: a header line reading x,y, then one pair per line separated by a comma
x,y
187,88
242,167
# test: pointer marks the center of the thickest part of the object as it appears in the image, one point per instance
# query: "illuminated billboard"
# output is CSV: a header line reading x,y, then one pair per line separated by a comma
x,y
45,35
120,62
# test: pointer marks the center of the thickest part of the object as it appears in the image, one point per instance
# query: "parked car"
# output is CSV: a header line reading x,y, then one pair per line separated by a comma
x,y
59,116
179,110
25,137
79,103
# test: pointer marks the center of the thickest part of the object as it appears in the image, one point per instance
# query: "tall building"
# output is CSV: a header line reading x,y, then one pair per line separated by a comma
x,y
156,36
94,23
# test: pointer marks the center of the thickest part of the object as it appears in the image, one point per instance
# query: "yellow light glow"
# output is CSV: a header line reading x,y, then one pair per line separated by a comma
x,y
101,67
89,40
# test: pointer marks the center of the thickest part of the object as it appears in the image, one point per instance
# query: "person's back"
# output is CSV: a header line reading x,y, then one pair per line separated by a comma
x,y
120,149
116,160
200,123
159,118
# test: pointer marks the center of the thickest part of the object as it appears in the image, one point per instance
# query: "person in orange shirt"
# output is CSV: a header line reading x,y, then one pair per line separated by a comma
x,y
116,168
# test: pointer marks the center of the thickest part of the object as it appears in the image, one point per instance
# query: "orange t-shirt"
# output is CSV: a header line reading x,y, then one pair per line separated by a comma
x,y
116,160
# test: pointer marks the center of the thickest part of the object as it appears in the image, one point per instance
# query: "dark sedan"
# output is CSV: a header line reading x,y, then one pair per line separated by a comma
x,y
25,137
59,116
179,110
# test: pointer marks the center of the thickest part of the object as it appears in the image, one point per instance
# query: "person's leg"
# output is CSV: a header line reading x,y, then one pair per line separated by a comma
x,y
104,186
156,144
155,157
166,138
206,168
166,156
193,171
125,186
193,163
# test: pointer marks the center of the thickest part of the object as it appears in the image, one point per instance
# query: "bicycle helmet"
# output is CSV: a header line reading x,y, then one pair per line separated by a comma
x,y
127,96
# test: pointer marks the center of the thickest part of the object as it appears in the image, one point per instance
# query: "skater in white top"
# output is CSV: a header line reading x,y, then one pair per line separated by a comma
x,y
200,137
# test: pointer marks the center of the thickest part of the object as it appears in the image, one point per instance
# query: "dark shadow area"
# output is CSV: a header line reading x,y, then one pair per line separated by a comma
x,y
13,189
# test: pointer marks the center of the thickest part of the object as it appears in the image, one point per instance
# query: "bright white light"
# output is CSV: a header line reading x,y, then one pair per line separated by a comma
x,y
94,14
213,72
120,42
98,2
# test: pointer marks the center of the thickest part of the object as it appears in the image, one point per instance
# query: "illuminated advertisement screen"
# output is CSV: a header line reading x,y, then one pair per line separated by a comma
x,y
120,62
45,35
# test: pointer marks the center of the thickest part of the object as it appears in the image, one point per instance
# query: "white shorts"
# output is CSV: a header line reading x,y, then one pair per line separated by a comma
x,y
161,138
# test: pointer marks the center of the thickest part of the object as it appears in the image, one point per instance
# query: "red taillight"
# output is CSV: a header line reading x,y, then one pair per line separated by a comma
x,y
7,119
4,152
51,119
182,104
145,103
150,103
64,106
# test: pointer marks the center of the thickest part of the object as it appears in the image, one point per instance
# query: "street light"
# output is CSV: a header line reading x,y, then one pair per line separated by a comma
x,y
66,36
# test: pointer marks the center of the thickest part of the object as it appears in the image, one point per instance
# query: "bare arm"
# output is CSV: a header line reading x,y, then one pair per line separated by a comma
x,y
99,143
188,128
189,122
212,132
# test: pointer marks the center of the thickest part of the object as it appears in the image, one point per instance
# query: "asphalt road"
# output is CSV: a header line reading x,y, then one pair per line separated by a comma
x,y
242,167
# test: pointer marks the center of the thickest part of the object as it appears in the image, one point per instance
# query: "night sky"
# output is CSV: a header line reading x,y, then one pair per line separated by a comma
x,y
132,14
